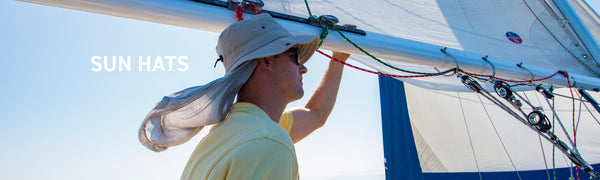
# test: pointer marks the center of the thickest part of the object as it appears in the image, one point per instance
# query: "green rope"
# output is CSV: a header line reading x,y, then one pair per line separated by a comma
x,y
325,32
310,16
308,8
386,64
553,147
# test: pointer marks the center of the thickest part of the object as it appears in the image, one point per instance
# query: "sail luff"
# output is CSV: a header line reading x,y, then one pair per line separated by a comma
x,y
583,33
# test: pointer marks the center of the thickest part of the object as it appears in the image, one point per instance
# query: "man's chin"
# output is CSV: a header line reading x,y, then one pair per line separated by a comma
x,y
299,95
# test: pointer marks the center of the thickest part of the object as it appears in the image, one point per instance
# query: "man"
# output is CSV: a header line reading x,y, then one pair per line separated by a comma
x,y
254,138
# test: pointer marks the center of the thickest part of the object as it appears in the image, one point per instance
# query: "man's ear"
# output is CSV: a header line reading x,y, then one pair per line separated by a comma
x,y
265,63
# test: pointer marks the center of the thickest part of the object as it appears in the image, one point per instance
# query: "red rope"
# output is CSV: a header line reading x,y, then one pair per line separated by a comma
x,y
373,72
566,75
416,76
239,11
254,7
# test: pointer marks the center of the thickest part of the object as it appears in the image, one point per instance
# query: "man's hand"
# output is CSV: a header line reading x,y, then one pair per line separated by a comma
x,y
341,56
319,106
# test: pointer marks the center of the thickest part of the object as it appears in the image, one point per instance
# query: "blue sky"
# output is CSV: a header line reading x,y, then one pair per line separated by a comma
x,y
61,120
64,121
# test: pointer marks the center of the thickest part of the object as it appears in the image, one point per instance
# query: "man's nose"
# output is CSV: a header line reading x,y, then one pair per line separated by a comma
x,y
303,69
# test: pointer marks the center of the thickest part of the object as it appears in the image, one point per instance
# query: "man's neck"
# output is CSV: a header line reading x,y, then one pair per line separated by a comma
x,y
270,105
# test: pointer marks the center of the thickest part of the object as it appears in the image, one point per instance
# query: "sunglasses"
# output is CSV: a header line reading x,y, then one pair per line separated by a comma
x,y
297,52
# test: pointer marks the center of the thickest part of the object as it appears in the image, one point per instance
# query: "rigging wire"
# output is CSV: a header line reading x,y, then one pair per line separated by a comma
x,y
540,137
553,147
563,127
569,97
473,75
576,127
495,102
544,155
586,107
469,135
500,139
571,153
552,138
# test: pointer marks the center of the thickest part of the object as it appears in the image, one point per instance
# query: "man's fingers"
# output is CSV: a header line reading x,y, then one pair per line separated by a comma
x,y
350,25
341,56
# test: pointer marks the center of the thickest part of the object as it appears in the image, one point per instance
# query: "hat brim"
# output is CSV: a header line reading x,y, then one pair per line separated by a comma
x,y
307,44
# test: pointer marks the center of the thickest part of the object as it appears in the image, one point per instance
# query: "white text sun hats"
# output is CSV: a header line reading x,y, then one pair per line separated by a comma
x,y
181,115
260,36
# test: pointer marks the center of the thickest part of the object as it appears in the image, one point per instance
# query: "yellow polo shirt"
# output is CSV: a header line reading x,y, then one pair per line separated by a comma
x,y
246,145
286,121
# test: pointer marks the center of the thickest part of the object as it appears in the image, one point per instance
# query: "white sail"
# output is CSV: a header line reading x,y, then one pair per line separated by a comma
x,y
544,39
454,130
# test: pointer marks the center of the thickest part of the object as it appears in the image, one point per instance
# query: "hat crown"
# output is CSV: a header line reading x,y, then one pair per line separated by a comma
x,y
244,37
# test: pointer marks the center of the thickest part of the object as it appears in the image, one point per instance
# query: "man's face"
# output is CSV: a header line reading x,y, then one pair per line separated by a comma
x,y
288,74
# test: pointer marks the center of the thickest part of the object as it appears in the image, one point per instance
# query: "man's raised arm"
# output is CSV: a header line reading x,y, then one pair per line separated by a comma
x,y
319,106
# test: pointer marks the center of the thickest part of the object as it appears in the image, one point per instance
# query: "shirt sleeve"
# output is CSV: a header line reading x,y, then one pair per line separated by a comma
x,y
262,158
286,121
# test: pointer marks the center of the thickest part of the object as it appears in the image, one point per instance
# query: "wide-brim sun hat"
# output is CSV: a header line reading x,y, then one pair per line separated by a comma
x,y
181,115
261,36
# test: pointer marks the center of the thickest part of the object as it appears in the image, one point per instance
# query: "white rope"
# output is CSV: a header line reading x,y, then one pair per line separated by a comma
x,y
563,127
569,97
540,138
591,113
500,139
544,154
526,101
469,135
578,118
